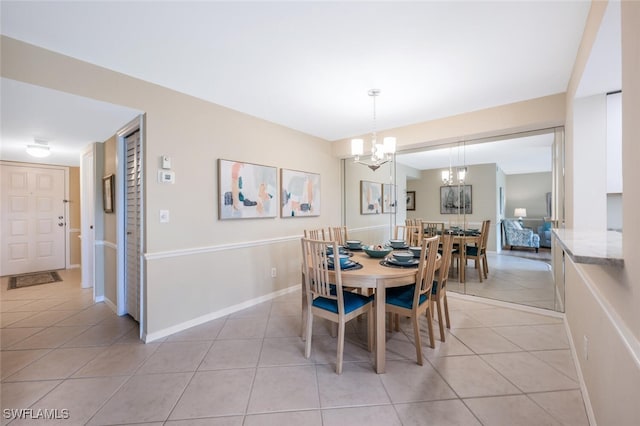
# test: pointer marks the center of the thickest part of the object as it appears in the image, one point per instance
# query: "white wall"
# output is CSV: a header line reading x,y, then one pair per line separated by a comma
x,y
602,302
589,159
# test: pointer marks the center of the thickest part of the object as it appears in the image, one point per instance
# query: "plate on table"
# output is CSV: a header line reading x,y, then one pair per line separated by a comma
x,y
348,265
410,262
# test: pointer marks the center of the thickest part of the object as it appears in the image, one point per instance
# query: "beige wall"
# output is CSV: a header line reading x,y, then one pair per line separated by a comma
x,y
482,179
533,114
196,265
110,225
74,219
528,190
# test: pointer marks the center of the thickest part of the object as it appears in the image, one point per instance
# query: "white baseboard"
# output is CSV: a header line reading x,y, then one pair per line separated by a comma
x,y
583,386
111,305
150,337
525,308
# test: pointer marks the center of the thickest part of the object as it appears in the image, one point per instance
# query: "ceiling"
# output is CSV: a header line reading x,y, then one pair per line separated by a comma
x,y
524,154
305,65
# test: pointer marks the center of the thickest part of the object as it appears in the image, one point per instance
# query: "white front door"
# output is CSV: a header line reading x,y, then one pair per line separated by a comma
x,y
32,218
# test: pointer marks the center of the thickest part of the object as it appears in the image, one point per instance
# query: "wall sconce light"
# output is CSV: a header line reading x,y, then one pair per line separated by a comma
x,y
39,149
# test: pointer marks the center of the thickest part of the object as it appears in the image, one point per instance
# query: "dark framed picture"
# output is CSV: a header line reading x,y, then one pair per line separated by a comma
x,y
411,200
455,199
108,192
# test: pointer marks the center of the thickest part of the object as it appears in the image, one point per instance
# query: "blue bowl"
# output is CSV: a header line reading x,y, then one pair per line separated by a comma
x,y
344,259
403,256
397,243
416,251
377,252
353,244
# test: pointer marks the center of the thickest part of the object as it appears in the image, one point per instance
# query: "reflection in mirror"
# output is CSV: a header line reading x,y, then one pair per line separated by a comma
x,y
461,185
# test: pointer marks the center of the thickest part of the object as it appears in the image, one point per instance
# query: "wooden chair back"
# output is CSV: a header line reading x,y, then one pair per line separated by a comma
x,y
316,234
426,269
338,234
484,235
412,235
316,267
433,228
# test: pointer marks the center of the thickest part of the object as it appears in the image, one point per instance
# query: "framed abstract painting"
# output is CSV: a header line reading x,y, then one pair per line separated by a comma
x,y
246,190
299,193
389,198
370,197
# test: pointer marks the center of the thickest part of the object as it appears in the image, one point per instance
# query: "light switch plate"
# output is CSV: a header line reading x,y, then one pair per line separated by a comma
x,y
164,216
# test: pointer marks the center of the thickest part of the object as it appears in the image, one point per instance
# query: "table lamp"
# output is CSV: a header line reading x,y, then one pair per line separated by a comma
x,y
520,212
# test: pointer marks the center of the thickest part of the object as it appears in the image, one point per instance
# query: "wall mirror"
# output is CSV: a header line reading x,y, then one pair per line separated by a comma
x,y
463,183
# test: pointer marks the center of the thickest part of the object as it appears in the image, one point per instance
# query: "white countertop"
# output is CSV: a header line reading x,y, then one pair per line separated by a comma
x,y
593,247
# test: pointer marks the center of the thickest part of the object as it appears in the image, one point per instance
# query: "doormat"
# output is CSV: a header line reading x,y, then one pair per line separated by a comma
x,y
37,278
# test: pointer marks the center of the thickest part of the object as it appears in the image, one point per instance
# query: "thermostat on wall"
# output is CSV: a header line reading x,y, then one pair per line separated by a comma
x,y
166,176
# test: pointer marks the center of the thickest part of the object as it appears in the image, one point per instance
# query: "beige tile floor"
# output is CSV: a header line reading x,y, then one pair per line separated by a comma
x,y
59,350
512,279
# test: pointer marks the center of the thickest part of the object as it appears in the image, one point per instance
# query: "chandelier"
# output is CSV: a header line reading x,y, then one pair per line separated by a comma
x,y
449,178
381,153
457,178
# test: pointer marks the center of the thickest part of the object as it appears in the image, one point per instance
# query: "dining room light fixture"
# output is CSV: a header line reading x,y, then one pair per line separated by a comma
x,y
39,148
381,153
449,177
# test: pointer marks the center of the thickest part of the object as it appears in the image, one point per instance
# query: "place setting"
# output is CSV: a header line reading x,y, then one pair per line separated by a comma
x,y
345,262
400,259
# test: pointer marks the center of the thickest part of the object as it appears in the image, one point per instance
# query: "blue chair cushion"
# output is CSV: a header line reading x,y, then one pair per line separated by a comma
x,y
434,289
352,301
472,251
403,296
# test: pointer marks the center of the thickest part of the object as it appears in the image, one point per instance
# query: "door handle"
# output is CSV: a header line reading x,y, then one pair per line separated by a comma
x,y
60,224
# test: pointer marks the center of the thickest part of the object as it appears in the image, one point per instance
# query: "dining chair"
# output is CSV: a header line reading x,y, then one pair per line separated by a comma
x,y
326,297
433,228
411,234
439,290
338,234
415,299
478,252
316,234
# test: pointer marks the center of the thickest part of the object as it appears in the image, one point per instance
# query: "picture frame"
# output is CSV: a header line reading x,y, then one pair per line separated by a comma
x,y
411,200
370,197
389,198
456,199
299,194
246,190
108,193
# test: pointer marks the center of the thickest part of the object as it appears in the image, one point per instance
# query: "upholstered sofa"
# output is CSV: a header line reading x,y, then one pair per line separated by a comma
x,y
517,236
544,231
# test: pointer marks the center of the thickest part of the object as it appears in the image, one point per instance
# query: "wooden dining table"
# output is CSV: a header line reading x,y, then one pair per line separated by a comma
x,y
373,275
